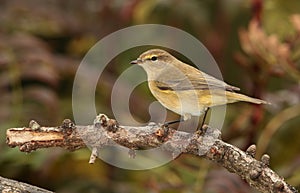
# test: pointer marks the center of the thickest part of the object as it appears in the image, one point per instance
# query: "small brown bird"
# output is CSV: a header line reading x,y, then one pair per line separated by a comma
x,y
184,89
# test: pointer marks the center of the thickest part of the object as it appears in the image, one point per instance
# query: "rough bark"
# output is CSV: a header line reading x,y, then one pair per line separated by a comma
x,y
12,186
205,143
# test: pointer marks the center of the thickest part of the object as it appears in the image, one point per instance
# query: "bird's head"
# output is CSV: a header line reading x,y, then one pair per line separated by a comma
x,y
155,60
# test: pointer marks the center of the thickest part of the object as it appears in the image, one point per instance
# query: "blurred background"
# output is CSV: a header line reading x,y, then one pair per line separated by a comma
x,y
255,43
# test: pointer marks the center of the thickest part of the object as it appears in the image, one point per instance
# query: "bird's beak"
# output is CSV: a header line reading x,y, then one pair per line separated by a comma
x,y
137,61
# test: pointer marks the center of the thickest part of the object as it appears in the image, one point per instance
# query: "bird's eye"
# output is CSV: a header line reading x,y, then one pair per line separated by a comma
x,y
153,58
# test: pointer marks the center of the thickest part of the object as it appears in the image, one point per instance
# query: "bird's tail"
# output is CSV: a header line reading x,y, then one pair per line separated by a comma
x,y
234,97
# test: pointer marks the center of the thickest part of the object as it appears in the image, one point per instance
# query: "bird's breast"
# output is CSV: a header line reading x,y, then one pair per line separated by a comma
x,y
180,102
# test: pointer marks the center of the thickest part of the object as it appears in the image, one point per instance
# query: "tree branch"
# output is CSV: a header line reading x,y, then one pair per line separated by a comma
x,y
105,131
12,186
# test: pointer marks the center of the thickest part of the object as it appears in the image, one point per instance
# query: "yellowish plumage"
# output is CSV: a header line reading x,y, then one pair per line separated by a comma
x,y
184,89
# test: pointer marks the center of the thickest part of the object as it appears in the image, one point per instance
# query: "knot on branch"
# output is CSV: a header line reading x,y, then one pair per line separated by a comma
x,y
103,121
265,159
251,150
255,173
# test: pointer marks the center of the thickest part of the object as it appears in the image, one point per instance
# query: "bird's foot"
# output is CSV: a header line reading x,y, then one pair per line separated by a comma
x,y
202,130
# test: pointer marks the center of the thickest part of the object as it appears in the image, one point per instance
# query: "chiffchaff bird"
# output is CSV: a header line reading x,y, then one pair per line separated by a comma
x,y
184,89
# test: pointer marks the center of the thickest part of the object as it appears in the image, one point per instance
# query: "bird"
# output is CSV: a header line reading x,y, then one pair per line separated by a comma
x,y
185,89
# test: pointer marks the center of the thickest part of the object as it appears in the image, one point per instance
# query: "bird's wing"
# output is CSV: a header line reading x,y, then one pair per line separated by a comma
x,y
174,80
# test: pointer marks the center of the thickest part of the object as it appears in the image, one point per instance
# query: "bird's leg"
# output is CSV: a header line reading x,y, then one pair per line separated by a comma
x,y
185,117
204,117
166,124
